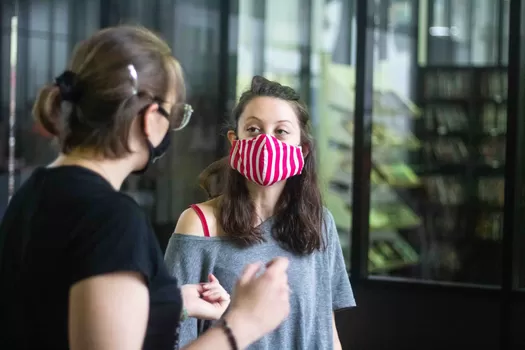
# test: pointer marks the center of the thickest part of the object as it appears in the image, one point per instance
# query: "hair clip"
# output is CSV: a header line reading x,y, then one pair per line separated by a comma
x,y
134,77
68,86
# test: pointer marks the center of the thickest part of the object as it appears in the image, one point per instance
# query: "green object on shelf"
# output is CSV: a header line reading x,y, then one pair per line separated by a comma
x,y
399,175
389,253
398,216
407,251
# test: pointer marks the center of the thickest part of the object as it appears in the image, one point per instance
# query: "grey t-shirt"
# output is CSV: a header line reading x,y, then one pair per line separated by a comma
x,y
319,283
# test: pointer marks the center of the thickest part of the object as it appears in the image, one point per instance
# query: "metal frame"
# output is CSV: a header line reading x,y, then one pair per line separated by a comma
x,y
305,34
227,67
514,183
24,44
362,140
4,6
415,60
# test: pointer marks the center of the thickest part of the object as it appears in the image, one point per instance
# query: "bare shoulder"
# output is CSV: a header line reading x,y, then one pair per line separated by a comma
x,y
190,223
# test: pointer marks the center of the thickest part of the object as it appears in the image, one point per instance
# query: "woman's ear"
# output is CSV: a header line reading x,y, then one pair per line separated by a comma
x,y
231,136
149,119
306,150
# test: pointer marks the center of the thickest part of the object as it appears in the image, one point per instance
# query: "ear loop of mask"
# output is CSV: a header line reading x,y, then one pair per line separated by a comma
x,y
134,92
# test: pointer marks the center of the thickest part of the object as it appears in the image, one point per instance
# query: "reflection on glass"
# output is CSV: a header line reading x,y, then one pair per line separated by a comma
x,y
393,144
334,68
467,32
41,45
335,144
437,175
263,49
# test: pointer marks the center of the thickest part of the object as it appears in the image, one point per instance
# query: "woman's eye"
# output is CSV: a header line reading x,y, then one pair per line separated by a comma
x,y
252,129
282,132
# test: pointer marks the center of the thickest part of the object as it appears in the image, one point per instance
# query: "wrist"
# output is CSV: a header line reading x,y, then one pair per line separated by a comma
x,y
184,315
243,327
187,305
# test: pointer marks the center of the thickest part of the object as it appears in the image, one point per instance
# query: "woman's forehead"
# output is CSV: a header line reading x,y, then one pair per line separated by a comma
x,y
269,110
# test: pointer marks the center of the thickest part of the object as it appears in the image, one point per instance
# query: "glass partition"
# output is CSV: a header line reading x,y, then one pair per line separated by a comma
x,y
333,74
394,219
46,32
438,144
263,49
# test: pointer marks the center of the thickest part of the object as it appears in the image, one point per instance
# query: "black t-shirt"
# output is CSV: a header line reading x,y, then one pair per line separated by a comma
x,y
63,225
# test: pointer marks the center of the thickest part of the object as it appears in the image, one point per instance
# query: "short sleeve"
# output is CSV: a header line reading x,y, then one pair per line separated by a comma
x,y
186,261
342,294
113,237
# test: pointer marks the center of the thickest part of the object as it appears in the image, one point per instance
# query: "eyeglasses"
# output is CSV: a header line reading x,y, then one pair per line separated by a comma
x,y
180,114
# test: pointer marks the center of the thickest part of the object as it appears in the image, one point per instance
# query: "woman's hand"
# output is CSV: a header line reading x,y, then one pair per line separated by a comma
x,y
260,303
206,301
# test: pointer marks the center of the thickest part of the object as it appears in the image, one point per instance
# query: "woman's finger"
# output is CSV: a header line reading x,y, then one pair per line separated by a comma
x,y
214,287
213,293
212,278
217,296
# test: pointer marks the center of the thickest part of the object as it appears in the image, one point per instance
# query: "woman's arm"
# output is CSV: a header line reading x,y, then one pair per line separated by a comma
x,y
102,317
244,331
337,342
108,311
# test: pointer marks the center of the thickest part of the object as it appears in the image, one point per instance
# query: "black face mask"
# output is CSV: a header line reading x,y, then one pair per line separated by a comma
x,y
155,153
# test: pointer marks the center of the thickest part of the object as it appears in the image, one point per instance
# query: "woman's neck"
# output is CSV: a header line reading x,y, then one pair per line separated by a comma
x,y
114,171
265,198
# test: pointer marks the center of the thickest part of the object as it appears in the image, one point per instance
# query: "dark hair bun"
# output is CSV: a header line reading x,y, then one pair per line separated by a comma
x,y
258,80
212,178
264,87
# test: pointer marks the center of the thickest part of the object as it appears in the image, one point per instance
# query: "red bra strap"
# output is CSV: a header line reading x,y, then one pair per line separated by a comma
x,y
202,219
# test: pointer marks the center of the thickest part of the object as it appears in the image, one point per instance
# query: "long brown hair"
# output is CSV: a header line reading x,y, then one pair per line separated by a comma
x,y
299,213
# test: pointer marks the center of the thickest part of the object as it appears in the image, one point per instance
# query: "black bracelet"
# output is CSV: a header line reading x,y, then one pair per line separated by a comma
x,y
229,334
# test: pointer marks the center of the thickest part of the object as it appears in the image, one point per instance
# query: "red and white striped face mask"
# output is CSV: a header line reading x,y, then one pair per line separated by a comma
x,y
265,160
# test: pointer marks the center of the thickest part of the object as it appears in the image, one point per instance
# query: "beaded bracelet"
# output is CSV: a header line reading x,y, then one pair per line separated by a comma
x,y
229,334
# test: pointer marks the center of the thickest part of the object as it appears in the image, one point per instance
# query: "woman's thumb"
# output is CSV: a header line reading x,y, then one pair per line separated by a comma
x,y
249,273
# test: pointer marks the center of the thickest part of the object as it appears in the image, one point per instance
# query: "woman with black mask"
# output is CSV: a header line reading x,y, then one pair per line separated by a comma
x,y
80,266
